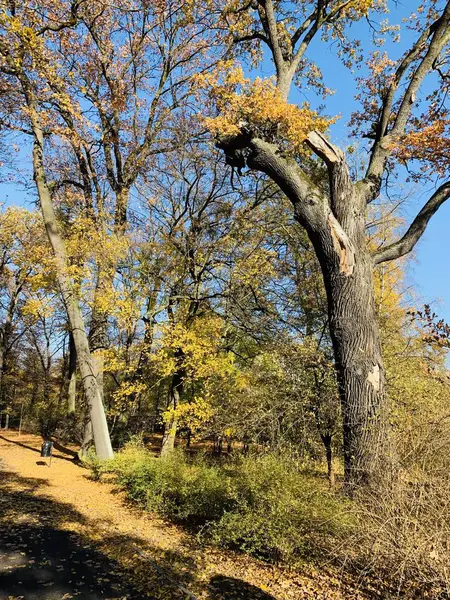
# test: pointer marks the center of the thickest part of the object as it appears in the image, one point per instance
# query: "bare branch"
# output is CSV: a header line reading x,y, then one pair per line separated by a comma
x,y
327,151
273,35
416,229
71,22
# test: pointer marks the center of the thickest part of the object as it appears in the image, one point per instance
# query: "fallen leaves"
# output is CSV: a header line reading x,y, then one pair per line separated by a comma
x,y
157,559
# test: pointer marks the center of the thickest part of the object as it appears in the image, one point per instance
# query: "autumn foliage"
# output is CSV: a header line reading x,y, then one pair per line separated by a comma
x,y
207,271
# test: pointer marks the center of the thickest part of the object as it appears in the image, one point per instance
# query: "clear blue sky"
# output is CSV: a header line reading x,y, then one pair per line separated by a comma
x,y
430,267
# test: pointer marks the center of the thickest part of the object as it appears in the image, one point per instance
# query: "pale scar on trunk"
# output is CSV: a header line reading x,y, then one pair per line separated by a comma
x,y
374,377
342,245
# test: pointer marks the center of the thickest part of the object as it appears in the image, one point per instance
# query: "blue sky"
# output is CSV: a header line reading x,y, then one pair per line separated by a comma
x,y
430,267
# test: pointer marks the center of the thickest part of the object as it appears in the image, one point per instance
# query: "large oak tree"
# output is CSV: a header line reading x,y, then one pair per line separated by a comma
x,y
257,128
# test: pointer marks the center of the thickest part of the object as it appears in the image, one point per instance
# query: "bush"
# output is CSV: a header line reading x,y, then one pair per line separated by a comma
x,y
403,528
262,505
97,467
283,513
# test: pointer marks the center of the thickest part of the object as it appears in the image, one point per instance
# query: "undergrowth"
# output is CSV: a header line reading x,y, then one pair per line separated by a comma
x,y
263,505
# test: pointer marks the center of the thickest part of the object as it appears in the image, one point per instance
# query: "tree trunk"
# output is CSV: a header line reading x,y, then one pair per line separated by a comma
x,y
326,439
88,439
5,333
99,424
170,430
98,333
357,351
98,330
72,391
2,360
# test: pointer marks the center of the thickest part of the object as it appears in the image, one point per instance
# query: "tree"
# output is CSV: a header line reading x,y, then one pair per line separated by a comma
x,y
23,58
257,128
131,65
24,255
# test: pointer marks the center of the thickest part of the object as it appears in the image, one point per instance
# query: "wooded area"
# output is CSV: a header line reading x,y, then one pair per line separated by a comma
x,y
208,278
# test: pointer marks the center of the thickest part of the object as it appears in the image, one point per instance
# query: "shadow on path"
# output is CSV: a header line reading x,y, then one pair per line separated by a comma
x,y
41,560
229,588
57,446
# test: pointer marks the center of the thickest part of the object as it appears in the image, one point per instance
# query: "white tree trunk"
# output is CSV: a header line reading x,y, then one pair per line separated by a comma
x,y
101,436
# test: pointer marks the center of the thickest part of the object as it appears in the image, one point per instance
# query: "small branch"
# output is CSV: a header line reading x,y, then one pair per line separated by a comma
x,y
65,24
437,35
256,35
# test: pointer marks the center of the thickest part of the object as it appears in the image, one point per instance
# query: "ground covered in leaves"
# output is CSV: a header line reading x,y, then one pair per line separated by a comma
x,y
65,536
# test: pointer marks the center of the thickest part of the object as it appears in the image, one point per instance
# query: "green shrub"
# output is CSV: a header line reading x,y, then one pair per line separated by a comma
x,y
262,505
282,513
173,487
97,467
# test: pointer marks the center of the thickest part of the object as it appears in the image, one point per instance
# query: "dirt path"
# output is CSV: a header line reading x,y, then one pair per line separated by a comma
x,y
65,536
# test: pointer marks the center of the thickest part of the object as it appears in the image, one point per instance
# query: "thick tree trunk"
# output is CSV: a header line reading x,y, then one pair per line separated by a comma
x,y
99,425
335,223
359,364
88,440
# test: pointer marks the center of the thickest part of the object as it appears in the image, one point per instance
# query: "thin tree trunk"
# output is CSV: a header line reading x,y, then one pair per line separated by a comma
x,y
98,334
326,439
2,360
99,424
98,330
5,333
72,390
170,430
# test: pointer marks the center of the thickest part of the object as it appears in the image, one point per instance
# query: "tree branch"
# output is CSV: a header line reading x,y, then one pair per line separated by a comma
x,y
416,229
324,149
273,34
439,35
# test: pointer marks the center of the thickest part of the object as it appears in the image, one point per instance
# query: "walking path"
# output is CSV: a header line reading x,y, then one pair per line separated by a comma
x,y
65,536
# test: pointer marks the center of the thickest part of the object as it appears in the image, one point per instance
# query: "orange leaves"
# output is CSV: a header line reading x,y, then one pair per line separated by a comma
x,y
360,8
428,143
257,108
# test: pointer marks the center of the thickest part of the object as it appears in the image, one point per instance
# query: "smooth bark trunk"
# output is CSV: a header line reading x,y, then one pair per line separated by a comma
x,y
98,330
72,375
88,440
170,430
97,414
